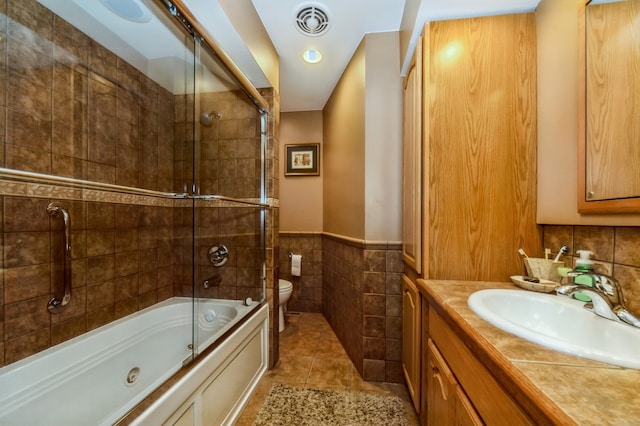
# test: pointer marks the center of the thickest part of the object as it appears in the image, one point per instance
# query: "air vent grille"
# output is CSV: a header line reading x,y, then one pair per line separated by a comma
x,y
312,21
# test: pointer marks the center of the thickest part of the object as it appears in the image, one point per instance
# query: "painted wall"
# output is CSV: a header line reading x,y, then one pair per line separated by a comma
x,y
409,21
362,145
557,32
383,138
300,196
344,152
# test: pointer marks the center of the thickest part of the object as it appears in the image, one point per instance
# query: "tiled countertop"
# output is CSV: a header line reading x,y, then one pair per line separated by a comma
x,y
561,388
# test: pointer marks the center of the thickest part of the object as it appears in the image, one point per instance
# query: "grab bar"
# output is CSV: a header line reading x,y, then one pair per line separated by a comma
x,y
57,305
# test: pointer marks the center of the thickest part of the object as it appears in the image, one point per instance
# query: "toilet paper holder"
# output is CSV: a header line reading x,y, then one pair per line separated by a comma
x,y
291,254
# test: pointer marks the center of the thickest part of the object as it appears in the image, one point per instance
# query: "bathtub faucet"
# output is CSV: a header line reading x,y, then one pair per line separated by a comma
x,y
212,281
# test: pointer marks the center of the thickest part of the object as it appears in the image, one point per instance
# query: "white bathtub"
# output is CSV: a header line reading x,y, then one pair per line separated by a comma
x,y
96,378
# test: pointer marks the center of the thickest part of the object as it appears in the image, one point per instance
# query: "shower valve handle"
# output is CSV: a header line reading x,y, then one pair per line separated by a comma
x,y
218,255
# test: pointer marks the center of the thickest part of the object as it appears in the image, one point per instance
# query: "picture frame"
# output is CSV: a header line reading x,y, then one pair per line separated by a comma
x,y
302,160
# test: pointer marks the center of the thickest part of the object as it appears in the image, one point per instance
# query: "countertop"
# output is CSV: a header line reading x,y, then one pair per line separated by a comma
x,y
559,387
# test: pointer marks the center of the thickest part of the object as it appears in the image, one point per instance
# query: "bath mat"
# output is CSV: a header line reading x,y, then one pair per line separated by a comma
x,y
299,406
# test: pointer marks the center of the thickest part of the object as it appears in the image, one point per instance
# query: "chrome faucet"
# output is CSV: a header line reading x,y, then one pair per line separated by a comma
x,y
606,296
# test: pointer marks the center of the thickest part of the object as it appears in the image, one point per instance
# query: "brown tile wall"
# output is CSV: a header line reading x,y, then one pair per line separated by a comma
x,y
307,288
363,303
72,108
238,228
229,152
119,265
616,252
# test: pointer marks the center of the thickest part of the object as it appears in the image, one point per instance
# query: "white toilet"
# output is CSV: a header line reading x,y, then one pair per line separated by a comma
x,y
286,288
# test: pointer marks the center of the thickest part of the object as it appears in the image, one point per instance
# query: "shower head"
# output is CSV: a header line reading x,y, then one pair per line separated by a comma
x,y
206,118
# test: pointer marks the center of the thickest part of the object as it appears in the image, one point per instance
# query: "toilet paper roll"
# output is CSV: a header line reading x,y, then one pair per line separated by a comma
x,y
296,264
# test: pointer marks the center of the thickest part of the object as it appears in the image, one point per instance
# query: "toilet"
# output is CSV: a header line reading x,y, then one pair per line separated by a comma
x,y
286,288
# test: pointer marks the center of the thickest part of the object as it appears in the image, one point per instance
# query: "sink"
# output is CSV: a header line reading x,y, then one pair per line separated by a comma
x,y
559,323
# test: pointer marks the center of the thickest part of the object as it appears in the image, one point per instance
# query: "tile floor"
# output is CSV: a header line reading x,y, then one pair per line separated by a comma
x,y
311,356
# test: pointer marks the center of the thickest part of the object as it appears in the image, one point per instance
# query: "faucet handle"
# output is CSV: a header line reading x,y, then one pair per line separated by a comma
x,y
608,286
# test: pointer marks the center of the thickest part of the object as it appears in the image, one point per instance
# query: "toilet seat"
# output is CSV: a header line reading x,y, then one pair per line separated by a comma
x,y
284,285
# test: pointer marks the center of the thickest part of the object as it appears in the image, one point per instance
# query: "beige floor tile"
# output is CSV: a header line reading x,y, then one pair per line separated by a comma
x,y
300,346
331,348
292,369
330,372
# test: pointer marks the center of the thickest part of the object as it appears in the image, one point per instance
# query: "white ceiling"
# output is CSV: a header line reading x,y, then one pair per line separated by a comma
x,y
307,87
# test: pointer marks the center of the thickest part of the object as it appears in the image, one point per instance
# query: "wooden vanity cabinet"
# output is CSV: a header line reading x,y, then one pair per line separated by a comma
x,y
459,389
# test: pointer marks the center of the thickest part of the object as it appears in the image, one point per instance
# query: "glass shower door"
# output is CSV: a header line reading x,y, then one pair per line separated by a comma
x,y
228,188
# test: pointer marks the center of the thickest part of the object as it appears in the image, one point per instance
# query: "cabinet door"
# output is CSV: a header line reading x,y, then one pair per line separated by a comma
x,y
411,163
441,389
411,339
465,414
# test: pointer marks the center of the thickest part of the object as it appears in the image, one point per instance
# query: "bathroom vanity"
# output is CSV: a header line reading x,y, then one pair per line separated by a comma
x,y
474,373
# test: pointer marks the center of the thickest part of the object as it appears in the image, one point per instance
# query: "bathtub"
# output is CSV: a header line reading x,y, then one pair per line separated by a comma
x,y
97,378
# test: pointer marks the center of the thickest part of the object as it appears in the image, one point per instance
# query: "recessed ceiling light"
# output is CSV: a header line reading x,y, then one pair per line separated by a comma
x,y
312,56
131,10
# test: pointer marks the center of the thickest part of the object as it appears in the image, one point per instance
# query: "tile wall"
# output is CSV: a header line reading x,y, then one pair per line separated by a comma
x,y
118,265
616,252
307,288
362,300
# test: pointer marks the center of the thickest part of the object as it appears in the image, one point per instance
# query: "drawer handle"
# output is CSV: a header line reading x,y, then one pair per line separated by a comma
x,y
438,376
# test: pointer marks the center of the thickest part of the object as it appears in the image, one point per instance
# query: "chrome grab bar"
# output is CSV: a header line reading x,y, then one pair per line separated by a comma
x,y
57,305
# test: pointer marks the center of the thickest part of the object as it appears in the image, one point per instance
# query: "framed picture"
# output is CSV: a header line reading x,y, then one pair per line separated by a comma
x,y
303,160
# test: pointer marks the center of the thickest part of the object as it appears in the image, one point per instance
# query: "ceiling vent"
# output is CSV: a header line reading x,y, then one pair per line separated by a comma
x,y
312,21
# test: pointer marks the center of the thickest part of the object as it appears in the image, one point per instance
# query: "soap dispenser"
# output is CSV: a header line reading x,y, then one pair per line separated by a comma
x,y
584,263
582,273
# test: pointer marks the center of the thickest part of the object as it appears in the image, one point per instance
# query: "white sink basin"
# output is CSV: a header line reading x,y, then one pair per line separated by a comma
x,y
559,323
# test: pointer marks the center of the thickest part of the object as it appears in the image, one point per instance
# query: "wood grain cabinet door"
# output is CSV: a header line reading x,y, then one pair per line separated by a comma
x,y
412,163
447,402
441,389
465,414
411,339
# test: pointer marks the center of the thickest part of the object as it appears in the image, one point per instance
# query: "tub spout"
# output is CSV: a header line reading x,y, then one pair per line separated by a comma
x,y
212,281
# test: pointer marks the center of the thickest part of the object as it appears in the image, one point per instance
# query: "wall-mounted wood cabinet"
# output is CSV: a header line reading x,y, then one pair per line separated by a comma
x,y
477,149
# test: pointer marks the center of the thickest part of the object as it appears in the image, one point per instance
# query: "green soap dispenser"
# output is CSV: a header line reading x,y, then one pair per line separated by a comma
x,y
584,266
584,263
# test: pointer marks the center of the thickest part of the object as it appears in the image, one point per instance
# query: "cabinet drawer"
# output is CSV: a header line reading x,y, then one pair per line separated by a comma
x,y
489,398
